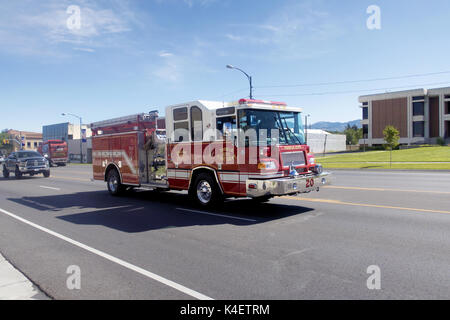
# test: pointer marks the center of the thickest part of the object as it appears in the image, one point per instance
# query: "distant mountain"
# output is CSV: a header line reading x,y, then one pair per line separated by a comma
x,y
335,126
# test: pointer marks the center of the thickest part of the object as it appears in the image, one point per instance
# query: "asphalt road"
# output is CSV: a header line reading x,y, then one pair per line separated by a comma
x,y
150,245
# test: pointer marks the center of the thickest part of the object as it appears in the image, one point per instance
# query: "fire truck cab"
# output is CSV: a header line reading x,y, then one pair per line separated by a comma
x,y
213,150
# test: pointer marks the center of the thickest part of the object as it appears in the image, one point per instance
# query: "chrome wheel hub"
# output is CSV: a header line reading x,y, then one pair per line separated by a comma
x,y
204,192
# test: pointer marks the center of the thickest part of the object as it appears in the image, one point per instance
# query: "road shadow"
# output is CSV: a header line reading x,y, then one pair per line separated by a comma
x,y
141,211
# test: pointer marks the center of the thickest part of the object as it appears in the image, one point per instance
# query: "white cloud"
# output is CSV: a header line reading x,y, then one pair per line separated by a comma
x,y
164,54
295,30
41,28
84,49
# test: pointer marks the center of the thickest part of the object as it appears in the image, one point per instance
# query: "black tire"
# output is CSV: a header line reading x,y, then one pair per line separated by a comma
x,y
47,174
115,187
262,199
17,173
5,173
205,191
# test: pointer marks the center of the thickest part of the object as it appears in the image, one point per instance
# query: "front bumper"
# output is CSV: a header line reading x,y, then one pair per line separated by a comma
x,y
35,170
287,186
59,160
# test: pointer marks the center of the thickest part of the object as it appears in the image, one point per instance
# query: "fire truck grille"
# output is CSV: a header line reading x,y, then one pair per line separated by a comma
x,y
293,158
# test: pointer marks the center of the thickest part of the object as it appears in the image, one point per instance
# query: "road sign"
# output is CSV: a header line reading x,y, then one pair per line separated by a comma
x,y
83,135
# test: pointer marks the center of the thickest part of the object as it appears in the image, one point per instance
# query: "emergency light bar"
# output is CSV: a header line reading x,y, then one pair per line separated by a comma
x,y
250,101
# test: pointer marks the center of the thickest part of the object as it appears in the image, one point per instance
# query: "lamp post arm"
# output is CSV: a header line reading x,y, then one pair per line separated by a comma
x,y
249,79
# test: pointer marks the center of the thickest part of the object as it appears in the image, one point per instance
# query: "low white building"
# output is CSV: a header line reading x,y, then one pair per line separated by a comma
x,y
321,141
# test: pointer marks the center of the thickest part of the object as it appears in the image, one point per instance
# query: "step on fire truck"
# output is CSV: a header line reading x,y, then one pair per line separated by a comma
x,y
213,150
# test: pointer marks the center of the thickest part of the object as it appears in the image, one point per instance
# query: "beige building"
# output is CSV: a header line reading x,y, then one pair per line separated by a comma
x,y
30,140
421,115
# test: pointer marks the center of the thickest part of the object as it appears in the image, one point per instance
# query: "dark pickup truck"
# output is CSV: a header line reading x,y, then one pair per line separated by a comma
x,y
25,162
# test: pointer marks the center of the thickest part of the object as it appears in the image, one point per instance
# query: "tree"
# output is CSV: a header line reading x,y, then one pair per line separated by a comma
x,y
391,136
5,144
353,134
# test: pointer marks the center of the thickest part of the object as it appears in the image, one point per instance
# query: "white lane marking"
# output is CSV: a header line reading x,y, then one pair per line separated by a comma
x,y
217,215
51,188
123,263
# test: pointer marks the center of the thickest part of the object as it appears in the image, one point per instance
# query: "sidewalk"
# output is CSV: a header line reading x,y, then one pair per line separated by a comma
x,y
15,286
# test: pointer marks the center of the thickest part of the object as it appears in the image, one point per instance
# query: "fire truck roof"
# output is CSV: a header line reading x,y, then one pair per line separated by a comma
x,y
242,103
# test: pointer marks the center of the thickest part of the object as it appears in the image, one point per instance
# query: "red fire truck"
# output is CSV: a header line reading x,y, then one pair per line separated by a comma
x,y
213,150
56,152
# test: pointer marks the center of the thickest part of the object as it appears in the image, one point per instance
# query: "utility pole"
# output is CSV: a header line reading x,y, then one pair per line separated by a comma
x,y
81,133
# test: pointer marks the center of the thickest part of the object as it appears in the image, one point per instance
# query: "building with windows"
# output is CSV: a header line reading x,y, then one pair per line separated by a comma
x,y
421,115
29,140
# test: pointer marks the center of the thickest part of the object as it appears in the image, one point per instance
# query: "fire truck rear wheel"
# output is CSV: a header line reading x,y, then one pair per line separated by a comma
x,y
205,191
115,187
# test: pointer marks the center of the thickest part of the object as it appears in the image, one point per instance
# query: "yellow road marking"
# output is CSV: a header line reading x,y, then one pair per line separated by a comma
x,y
363,204
384,189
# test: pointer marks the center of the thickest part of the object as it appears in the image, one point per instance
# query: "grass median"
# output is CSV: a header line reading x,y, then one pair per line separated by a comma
x,y
424,158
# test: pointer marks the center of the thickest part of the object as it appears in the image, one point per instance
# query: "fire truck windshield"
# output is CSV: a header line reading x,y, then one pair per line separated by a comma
x,y
279,127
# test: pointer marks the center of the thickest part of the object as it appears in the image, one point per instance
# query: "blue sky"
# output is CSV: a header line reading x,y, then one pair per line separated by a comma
x,y
131,56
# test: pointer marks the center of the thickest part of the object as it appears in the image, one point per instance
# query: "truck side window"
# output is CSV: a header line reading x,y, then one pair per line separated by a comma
x,y
196,124
180,114
181,124
225,126
181,131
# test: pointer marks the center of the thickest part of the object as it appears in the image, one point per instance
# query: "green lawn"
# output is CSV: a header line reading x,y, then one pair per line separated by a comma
x,y
380,159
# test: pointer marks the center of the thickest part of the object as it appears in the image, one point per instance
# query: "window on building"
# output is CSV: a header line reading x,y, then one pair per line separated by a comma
x,y
418,98
29,144
365,128
418,108
419,129
196,124
365,103
365,113
447,107
35,144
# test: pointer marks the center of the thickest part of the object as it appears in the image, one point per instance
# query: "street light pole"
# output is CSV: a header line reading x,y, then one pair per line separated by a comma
x,y
248,77
306,128
81,133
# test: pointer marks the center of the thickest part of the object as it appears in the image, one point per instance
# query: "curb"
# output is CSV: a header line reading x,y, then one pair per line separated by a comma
x,y
15,286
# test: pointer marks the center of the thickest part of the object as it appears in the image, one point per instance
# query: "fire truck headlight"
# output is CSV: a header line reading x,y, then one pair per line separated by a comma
x,y
267,165
312,160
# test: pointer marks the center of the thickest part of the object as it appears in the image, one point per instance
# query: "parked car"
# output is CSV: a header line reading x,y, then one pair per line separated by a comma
x,y
25,162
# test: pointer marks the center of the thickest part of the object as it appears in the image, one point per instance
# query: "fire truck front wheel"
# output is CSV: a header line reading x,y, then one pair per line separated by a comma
x,y
115,187
205,191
